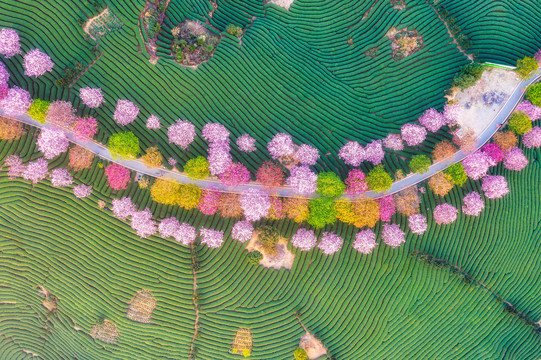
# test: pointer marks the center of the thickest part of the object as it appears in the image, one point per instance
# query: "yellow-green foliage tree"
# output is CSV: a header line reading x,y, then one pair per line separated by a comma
x,y
379,180
38,110
366,212
124,145
153,157
297,209
520,123
189,195
165,191
441,184
197,168
526,67
344,211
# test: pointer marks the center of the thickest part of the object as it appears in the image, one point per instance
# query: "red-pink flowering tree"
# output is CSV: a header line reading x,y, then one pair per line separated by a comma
x,y
255,204
445,214
477,164
52,142
16,102
61,178
4,74
246,143
212,238
168,227
307,155
142,223
37,63
494,151
125,112
123,208
515,160
533,112
394,142
215,133
82,191
537,56
330,243
432,120
209,201
235,174
61,113
9,43
280,145
186,234
392,235
219,158
374,152
413,134
352,153
365,241
532,139
356,182
85,128
451,113
417,224
304,239
495,186
242,231
270,174
117,176
302,180
182,133
153,122
36,171
387,207
91,97
16,167
473,204
3,91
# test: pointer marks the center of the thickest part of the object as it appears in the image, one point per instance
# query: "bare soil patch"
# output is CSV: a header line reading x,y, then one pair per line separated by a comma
x,y
141,307
102,24
242,344
286,4
399,4
106,332
283,258
314,347
404,42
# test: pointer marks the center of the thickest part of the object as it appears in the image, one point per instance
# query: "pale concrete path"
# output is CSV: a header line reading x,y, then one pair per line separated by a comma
x,y
286,191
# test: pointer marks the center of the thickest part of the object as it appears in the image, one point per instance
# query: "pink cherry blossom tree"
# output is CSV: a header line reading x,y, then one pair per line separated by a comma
x,y
445,214
117,176
374,152
61,178
495,186
16,167
85,128
246,143
392,235
533,112
209,201
215,133
494,151
432,120
330,243
280,145
212,238
451,113
142,223
182,133
255,204
123,208
537,55
387,207
307,155
37,63
515,160
219,158
61,113
532,139
9,43
473,204
352,153
16,102
168,227
3,91
356,182
413,134
235,174
52,142
172,161
82,191
417,224
36,170
91,97
476,165
242,231
185,235
365,241
153,122
302,180
304,239
4,74
394,142
125,112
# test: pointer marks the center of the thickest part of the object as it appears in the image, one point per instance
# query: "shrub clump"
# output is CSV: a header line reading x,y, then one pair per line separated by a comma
x,y
468,76
255,257
268,238
193,43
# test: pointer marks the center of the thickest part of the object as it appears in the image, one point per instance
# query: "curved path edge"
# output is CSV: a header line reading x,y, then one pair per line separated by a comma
x,y
412,179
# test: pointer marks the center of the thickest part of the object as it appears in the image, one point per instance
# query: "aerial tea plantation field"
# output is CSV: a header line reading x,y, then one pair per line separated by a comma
x,y
324,72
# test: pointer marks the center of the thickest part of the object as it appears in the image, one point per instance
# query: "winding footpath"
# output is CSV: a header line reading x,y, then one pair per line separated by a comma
x,y
138,166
